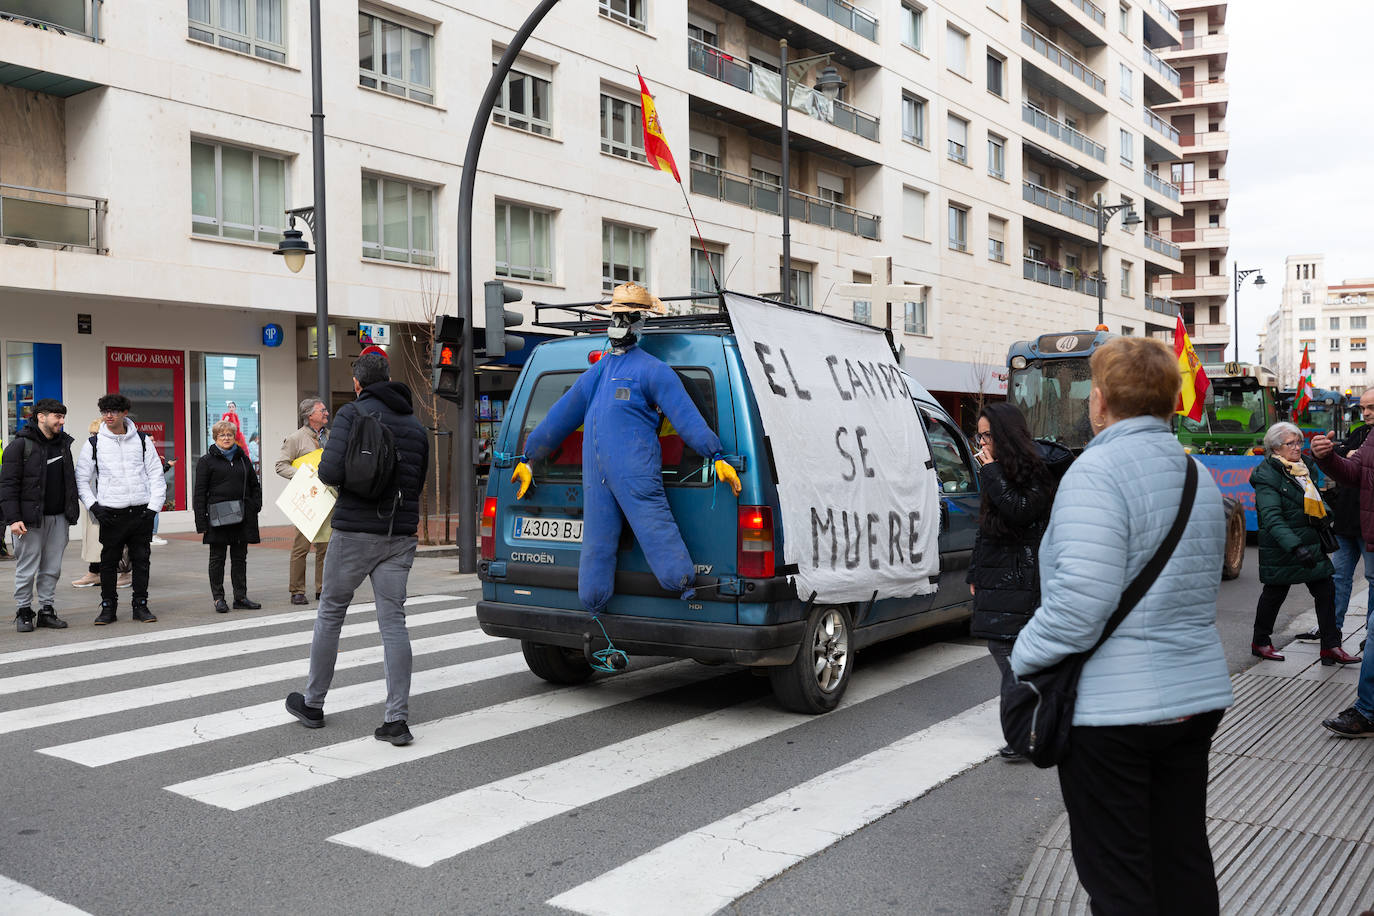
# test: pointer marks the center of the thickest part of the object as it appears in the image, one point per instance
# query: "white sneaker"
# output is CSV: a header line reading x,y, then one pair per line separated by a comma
x,y
125,580
88,580
158,542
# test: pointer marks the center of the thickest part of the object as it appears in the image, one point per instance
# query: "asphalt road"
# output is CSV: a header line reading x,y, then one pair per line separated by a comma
x,y
163,777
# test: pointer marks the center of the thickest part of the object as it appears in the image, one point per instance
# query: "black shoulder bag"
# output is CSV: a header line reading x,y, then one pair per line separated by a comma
x,y
230,511
1037,710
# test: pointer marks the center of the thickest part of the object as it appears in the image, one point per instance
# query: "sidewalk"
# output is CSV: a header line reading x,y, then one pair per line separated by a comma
x,y
1287,808
179,588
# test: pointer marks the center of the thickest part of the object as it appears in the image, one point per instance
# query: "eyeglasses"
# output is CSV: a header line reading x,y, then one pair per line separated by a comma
x,y
111,413
1291,443
982,437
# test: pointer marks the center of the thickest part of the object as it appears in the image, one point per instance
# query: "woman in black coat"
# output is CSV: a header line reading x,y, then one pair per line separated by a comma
x,y
1018,490
224,473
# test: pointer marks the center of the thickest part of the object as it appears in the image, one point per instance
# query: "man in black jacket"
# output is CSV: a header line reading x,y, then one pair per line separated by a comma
x,y
372,538
1345,523
39,502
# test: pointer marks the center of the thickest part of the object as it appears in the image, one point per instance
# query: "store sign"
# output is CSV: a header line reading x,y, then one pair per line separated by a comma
x,y
272,335
312,345
1361,299
379,334
154,359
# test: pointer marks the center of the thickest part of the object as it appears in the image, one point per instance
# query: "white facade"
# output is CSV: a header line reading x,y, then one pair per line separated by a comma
x,y
1330,319
982,192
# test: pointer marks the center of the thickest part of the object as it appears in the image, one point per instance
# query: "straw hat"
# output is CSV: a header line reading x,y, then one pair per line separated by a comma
x,y
631,297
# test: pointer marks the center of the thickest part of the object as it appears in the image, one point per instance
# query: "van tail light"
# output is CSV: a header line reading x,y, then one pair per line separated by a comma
x,y
755,560
486,529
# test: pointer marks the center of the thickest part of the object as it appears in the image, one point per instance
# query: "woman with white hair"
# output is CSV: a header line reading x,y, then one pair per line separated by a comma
x,y
1292,515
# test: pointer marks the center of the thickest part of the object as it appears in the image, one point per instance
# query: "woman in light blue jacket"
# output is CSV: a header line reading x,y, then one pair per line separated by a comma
x,y
1150,698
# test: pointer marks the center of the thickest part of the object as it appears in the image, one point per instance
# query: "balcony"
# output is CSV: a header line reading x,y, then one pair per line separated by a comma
x,y
1092,11
1205,237
1209,285
1210,140
1198,45
1160,10
1159,245
1213,90
851,17
719,65
1063,59
1161,305
1157,64
1162,82
1161,126
767,197
1041,272
1062,132
1205,189
1044,197
1160,186
38,218
72,17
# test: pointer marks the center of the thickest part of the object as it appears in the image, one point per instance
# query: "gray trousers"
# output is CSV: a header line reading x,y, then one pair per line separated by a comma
x,y
38,556
386,560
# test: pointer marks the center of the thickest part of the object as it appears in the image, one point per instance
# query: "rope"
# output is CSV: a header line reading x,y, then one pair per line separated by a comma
x,y
605,659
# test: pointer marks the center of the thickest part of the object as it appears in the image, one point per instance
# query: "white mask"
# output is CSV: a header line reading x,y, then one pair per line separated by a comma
x,y
625,328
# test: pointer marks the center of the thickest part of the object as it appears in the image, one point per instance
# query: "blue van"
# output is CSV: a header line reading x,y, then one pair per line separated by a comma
x,y
746,610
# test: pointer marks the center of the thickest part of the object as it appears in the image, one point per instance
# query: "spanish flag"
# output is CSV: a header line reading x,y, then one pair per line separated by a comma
x,y
1195,381
655,144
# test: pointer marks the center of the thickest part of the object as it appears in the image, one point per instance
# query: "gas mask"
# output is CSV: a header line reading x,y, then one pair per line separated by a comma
x,y
625,329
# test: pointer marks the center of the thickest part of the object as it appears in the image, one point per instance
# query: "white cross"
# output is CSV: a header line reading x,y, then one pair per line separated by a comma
x,y
882,289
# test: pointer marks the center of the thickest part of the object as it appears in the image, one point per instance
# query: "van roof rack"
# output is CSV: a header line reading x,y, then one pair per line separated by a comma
x,y
591,320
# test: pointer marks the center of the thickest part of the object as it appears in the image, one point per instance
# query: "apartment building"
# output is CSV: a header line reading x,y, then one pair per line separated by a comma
x,y
1198,119
1331,320
148,152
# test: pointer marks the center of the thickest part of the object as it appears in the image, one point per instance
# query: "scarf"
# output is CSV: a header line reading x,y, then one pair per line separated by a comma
x,y
227,453
1311,500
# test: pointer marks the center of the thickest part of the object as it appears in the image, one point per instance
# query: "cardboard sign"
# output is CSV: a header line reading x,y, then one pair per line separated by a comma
x,y
308,504
860,500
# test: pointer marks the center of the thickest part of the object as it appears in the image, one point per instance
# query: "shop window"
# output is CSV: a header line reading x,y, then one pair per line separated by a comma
x,y
33,371
226,387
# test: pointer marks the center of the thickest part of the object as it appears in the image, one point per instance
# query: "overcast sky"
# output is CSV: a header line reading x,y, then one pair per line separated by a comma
x,y
1302,143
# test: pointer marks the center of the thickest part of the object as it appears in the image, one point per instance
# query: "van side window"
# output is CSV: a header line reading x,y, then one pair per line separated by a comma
x,y
953,464
681,465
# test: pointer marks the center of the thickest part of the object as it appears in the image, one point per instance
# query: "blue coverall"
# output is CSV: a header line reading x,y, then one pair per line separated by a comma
x,y
622,466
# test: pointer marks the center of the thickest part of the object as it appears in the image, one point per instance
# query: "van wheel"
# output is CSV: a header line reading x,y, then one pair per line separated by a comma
x,y
554,663
818,676
1234,557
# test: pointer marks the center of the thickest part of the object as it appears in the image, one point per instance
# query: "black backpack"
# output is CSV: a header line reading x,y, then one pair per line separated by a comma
x,y
369,457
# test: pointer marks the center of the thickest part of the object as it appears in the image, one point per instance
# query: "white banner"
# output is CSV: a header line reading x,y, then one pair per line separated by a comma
x,y
860,502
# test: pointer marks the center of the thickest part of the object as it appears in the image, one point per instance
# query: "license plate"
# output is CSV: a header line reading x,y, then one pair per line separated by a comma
x,y
548,529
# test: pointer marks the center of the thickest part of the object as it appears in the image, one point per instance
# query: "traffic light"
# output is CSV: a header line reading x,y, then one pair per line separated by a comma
x,y
447,358
499,318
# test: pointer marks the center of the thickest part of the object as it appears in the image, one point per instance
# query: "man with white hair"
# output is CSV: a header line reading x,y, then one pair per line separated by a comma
x,y
313,415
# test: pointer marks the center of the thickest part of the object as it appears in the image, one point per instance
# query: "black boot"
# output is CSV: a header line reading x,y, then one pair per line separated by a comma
x,y
142,614
221,607
47,617
23,620
246,604
107,613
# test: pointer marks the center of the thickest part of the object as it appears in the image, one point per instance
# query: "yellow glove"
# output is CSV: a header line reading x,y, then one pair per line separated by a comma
x,y
727,474
522,475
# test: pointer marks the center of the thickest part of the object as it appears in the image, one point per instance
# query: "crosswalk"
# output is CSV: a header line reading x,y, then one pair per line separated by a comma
x,y
192,720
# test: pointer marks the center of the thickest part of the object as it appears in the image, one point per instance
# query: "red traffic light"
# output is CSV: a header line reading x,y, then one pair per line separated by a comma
x,y
446,354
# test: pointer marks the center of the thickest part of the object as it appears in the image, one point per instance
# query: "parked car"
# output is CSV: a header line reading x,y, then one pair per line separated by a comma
x,y
746,610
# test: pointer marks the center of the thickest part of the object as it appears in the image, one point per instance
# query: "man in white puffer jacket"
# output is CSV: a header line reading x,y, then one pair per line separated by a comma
x,y
121,484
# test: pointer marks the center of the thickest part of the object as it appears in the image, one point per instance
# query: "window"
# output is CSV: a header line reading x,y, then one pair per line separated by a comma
x,y
398,221
956,50
395,58
524,242
1334,344
958,227
703,31
1357,369
863,311
1312,345
1127,331
1357,343
217,381
1357,322
237,193
913,26
913,119
33,371
624,255
799,287
997,156
525,103
1306,298
1124,19
958,139
829,188
1127,88
997,239
1127,289
703,262
1072,192
1307,324
914,213
953,468
995,66
1335,324
914,317
251,28
622,129
1127,148
629,12
1335,368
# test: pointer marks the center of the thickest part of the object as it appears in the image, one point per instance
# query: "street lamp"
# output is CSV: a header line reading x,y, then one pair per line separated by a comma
x,y
292,247
1104,215
1240,276
828,83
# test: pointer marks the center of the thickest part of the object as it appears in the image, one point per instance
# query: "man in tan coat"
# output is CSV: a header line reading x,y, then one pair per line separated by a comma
x,y
311,436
